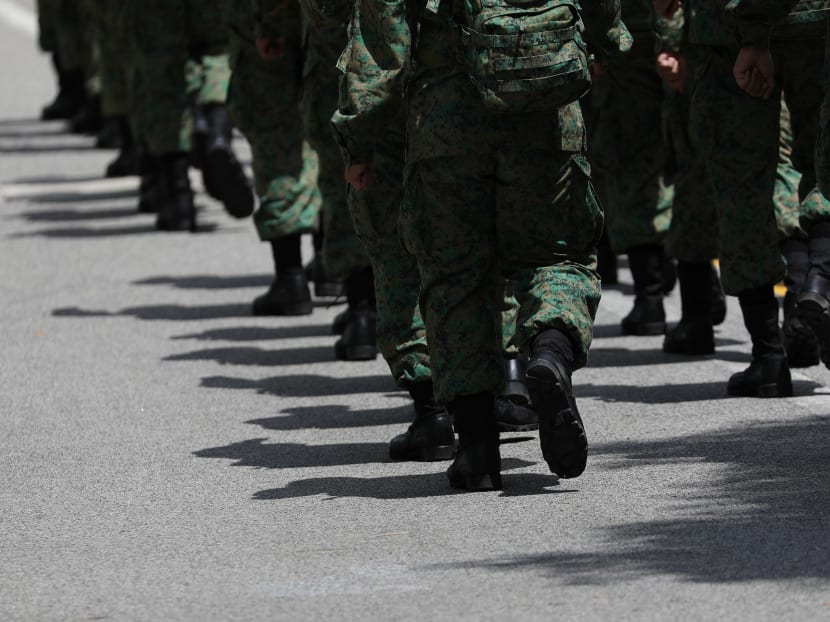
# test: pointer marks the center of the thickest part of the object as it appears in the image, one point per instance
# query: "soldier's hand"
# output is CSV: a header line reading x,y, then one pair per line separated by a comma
x,y
360,176
597,70
672,69
271,49
667,8
754,72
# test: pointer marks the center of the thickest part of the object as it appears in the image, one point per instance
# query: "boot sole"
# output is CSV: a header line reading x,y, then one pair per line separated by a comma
x,y
477,483
763,391
812,308
440,453
355,353
561,433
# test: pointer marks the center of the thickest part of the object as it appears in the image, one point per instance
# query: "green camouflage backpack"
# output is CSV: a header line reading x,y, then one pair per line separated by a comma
x,y
524,55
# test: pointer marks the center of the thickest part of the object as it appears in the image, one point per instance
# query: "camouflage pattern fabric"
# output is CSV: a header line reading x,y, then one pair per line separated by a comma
x,y
263,101
400,332
343,252
823,143
627,149
164,34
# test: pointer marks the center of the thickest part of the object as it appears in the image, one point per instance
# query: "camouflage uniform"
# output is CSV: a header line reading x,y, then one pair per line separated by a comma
x,y
343,252
693,235
796,46
823,144
164,36
319,41
263,100
626,143
485,195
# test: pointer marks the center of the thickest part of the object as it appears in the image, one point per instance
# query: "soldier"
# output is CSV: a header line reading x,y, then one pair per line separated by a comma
x,y
60,33
693,236
627,156
782,51
164,36
823,144
470,174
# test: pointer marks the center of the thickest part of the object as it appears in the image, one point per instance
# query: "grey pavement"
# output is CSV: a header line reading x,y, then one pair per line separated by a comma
x,y
163,455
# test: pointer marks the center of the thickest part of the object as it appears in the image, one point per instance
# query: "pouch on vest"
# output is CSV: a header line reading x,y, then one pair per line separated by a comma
x,y
524,55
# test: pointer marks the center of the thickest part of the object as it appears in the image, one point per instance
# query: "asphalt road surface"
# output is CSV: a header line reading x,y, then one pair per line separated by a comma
x,y
164,455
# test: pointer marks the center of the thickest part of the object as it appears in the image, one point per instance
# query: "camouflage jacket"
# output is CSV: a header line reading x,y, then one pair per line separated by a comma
x,y
376,64
759,21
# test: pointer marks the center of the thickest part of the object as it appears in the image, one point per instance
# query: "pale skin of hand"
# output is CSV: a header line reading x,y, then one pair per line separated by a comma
x,y
754,72
672,69
360,176
667,8
270,49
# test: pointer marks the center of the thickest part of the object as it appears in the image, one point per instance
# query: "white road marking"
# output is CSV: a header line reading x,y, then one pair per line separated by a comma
x,y
18,17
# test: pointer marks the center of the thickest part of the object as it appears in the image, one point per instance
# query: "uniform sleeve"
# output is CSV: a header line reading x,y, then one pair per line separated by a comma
x,y
755,19
373,65
605,32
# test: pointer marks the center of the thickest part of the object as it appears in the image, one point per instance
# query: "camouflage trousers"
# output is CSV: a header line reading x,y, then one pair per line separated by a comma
x,y
693,235
823,143
493,196
400,333
627,152
342,251
739,138
164,35
263,101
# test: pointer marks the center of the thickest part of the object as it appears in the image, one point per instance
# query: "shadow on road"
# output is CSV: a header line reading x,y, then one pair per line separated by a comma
x,y
765,517
260,333
163,312
305,385
209,281
258,356
258,453
67,215
623,357
403,486
335,417
672,393
90,232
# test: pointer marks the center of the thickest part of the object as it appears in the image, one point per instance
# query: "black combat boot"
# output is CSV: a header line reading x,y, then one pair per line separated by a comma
x,y
357,342
561,432
477,464
669,275
127,161
718,299
799,339
110,135
151,188
648,316
768,375
71,95
693,334
814,296
606,261
176,210
514,412
430,437
89,119
223,175
289,293
325,286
